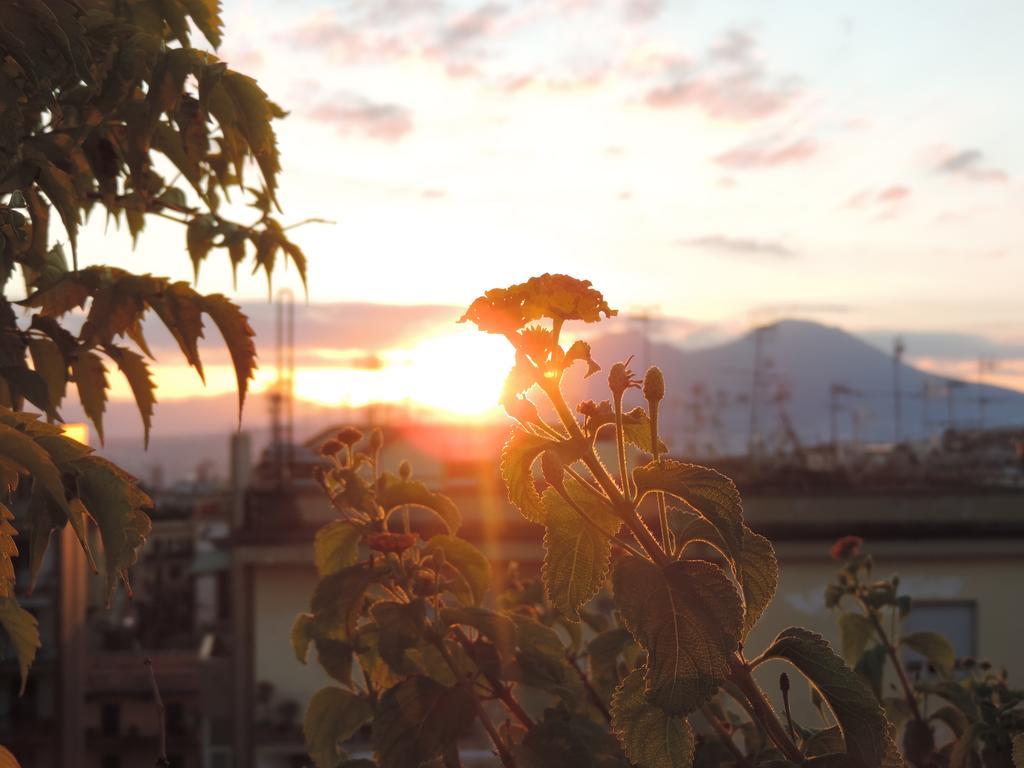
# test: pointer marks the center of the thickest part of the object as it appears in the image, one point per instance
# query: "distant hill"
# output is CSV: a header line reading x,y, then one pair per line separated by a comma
x,y
804,359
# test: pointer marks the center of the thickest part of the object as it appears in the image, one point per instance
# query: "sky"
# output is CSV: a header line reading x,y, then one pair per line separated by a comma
x,y
719,164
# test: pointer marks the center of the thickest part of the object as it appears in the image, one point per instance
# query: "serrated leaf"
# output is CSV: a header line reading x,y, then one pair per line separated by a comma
x,y
199,236
335,656
934,647
400,627
116,503
332,717
576,555
7,760
499,629
392,492
335,546
238,334
8,551
49,361
418,719
706,491
603,653
541,661
180,309
22,633
468,562
757,570
91,379
302,636
855,632
518,455
689,618
338,600
21,449
650,737
135,370
866,732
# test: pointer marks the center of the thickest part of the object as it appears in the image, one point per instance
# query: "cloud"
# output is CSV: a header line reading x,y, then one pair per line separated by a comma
x,y
967,163
741,247
642,10
729,83
472,25
888,202
351,113
767,153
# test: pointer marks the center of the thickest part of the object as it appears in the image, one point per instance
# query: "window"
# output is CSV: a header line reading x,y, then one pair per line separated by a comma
x,y
957,620
110,722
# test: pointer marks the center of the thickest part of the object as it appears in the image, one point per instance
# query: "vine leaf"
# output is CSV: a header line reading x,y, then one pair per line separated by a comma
x,y
934,647
50,363
393,492
576,556
866,732
332,717
757,570
856,632
517,459
133,366
338,600
8,550
23,632
116,503
418,719
28,454
238,335
689,618
468,562
650,737
335,546
91,379
708,492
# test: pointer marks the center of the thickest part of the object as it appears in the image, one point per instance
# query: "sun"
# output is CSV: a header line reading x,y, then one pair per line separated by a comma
x,y
458,375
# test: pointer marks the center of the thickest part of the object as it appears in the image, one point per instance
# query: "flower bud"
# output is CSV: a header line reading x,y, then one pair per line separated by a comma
x,y
587,408
330,448
621,378
376,439
404,470
654,384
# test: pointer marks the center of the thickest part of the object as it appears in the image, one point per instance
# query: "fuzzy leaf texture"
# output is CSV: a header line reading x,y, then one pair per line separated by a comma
x,y
518,456
472,569
757,570
332,717
866,732
708,492
689,618
393,492
576,554
418,719
23,634
650,737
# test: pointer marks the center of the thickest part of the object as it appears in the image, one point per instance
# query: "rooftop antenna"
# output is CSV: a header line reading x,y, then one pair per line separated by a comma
x,y
756,383
282,398
645,316
951,386
898,349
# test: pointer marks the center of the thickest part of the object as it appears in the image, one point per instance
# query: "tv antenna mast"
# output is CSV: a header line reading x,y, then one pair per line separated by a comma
x,y
282,397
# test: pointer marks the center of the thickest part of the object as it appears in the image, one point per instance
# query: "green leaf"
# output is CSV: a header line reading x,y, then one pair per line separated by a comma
x,y
418,719
8,550
302,635
708,492
866,732
180,309
689,618
951,716
335,656
115,502
566,740
338,600
517,459
856,632
22,633
963,754
49,361
541,661
393,492
134,368
28,454
757,570
468,562
335,546
238,334
91,379
400,627
603,653
934,647
332,717
576,555
497,628
650,737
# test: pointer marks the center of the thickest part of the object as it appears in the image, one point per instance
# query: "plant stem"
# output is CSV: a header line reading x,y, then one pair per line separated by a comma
x,y
765,715
500,690
161,760
666,535
725,736
593,523
620,449
894,656
595,698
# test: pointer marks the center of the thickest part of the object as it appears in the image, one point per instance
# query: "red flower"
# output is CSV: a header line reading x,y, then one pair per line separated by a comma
x,y
847,547
391,542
